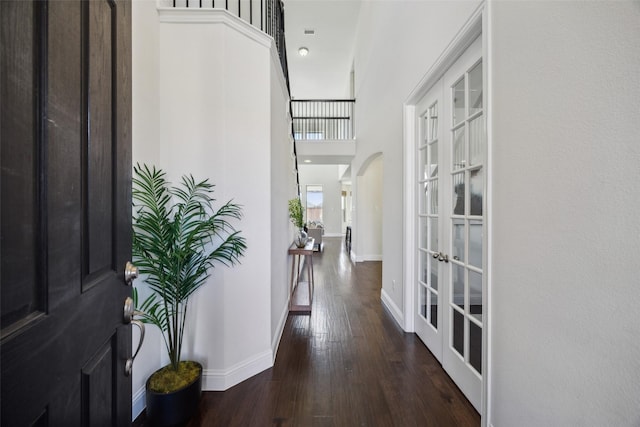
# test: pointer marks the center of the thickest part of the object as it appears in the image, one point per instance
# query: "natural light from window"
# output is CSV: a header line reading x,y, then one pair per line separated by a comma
x,y
314,203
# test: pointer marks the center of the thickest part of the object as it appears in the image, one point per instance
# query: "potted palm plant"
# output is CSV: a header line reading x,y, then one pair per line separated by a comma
x,y
297,218
177,238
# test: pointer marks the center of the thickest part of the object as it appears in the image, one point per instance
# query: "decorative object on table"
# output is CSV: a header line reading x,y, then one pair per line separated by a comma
x,y
315,231
177,239
296,216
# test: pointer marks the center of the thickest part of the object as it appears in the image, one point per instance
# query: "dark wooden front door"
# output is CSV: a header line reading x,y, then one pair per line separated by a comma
x,y
65,122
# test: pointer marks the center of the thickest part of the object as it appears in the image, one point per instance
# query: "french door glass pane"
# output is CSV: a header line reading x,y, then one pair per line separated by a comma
x,y
458,190
477,138
475,347
458,332
424,265
475,295
423,301
426,129
458,285
459,155
434,273
433,122
423,233
433,159
424,197
424,163
433,308
433,194
458,239
477,188
433,229
458,102
475,89
475,243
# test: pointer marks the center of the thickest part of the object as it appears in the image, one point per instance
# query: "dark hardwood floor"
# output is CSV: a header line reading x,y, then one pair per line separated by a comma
x,y
346,364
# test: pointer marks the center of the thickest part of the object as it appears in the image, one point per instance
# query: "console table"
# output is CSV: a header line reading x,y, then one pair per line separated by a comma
x,y
297,299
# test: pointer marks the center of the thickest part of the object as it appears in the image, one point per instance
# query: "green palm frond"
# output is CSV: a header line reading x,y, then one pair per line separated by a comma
x,y
177,238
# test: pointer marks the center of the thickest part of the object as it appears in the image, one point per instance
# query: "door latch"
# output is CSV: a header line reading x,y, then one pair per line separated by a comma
x,y
130,273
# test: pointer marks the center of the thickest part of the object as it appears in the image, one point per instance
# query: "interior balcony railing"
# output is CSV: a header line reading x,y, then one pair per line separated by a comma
x,y
267,15
323,119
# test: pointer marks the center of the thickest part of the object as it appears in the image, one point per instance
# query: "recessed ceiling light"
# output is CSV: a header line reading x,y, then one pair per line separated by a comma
x,y
303,51
307,161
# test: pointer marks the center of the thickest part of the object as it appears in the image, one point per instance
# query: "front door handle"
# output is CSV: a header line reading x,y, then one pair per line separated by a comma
x,y
128,365
127,317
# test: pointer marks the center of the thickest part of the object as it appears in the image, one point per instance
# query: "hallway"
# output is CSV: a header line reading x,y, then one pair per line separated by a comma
x,y
347,364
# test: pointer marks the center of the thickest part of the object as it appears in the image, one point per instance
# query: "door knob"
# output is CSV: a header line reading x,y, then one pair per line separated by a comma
x,y
130,273
441,257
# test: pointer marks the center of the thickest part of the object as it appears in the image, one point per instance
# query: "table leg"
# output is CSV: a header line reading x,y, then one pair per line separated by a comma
x,y
293,276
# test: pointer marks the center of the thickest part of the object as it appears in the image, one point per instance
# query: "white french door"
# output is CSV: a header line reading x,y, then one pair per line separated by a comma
x,y
430,276
451,153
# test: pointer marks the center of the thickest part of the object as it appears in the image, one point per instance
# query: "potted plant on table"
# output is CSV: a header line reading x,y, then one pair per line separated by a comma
x,y
177,238
296,216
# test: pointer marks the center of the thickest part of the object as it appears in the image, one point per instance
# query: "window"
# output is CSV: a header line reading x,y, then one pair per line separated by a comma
x,y
314,203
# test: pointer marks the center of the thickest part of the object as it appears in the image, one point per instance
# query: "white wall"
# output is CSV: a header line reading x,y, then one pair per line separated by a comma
x,y
145,149
397,42
219,112
346,220
283,188
566,239
368,239
328,177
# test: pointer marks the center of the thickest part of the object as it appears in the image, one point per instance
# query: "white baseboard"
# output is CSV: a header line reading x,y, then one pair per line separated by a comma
x,y
275,343
216,379
219,379
138,403
332,235
392,307
362,258
223,379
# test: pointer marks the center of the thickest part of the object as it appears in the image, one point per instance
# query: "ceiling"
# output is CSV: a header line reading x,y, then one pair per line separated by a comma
x,y
325,72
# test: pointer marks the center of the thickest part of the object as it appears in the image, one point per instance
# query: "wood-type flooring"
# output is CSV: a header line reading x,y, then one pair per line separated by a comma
x,y
347,364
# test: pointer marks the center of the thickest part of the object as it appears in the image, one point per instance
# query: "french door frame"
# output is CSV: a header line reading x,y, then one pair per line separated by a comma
x,y
476,26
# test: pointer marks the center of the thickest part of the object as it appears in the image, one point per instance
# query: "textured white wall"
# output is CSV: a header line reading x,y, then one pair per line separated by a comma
x,y
327,176
566,237
397,42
